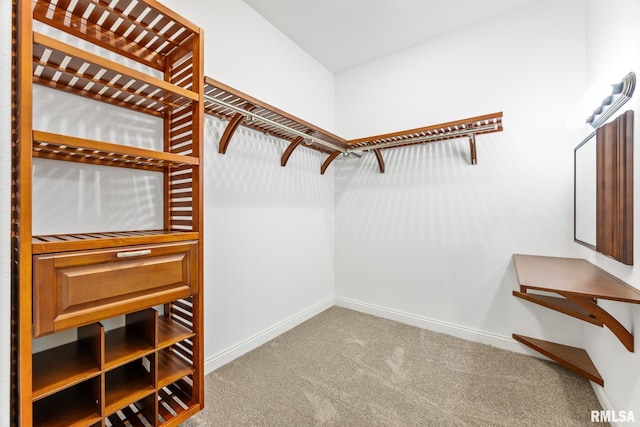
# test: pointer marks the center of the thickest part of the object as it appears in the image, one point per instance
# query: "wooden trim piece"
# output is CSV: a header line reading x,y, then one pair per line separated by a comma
x,y
290,148
328,161
614,191
573,358
22,215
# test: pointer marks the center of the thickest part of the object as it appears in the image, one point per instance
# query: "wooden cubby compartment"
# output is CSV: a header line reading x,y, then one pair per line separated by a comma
x,y
141,56
143,369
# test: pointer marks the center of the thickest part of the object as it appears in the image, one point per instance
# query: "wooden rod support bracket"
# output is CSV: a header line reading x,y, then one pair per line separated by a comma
x,y
231,128
328,161
472,148
379,159
287,153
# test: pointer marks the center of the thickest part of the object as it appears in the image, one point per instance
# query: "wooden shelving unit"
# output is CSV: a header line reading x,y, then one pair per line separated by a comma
x,y
579,285
151,368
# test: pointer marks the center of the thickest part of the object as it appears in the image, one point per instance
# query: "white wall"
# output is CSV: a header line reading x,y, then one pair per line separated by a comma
x,y
245,51
612,52
431,240
5,208
269,238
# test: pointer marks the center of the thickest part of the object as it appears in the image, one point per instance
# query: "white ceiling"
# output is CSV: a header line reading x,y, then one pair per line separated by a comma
x,y
342,34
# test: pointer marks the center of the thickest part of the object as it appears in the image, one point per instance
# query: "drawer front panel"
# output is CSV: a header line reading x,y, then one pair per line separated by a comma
x,y
73,289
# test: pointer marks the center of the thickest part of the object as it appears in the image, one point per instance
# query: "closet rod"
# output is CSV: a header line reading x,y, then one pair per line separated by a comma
x,y
273,123
440,136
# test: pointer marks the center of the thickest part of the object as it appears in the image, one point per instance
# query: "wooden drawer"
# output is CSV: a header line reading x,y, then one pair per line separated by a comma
x,y
71,289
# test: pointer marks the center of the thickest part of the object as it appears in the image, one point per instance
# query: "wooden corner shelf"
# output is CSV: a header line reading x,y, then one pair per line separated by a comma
x,y
573,358
579,285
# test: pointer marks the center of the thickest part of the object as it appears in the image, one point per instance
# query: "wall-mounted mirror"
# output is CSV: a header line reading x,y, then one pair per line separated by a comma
x,y
603,189
584,159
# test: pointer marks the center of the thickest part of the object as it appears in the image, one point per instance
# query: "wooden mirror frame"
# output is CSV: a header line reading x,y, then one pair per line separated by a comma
x,y
614,192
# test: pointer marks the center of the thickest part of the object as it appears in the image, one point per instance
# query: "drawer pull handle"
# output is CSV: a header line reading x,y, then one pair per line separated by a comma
x,y
133,253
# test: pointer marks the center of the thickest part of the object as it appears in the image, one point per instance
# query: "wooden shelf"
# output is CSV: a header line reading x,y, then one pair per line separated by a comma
x,y
83,241
579,285
572,358
126,385
66,148
171,332
147,32
65,67
55,411
572,275
122,346
171,368
60,367
225,102
174,402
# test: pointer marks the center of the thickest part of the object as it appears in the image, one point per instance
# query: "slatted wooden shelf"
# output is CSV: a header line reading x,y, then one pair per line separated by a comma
x,y
237,100
579,284
101,240
65,67
143,31
479,125
464,128
238,108
66,148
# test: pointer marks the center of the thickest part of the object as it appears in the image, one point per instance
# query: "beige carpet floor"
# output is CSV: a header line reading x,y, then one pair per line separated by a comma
x,y
345,368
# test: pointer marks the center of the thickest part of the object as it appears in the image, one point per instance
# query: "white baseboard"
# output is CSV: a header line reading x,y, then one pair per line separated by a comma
x,y
222,358
475,335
